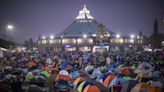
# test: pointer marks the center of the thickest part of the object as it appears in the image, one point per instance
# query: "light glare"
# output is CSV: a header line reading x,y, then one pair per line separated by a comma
x,y
10,27
44,37
117,36
52,37
132,36
84,36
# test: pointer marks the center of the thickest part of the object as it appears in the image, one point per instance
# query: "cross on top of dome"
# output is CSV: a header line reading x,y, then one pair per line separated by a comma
x,y
84,6
84,14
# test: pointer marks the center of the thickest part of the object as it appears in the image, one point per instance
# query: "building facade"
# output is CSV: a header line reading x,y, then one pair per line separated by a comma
x,y
86,34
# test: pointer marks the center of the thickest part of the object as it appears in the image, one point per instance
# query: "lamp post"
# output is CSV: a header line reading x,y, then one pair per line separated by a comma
x,y
10,29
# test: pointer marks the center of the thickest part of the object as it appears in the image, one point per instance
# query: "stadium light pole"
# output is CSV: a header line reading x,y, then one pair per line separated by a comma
x,y
10,29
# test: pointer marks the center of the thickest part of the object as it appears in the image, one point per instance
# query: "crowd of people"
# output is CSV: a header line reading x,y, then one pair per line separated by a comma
x,y
98,72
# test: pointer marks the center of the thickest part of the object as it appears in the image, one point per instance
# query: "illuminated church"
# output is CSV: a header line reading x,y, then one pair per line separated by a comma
x,y
87,34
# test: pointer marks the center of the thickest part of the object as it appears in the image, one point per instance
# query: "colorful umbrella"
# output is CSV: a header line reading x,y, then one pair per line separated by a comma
x,y
78,81
144,68
64,72
116,80
30,76
92,88
142,77
31,63
63,77
47,68
45,74
126,71
127,78
108,79
75,74
144,87
62,84
89,68
82,85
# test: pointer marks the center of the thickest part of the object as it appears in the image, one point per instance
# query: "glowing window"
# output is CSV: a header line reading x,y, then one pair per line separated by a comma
x,y
90,40
44,41
51,41
121,40
131,40
79,40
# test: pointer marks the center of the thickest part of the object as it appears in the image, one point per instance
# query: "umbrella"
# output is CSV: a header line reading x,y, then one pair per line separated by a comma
x,y
116,80
102,69
128,85
102,77
30,76
64,72
127,78
108,79
30,64
63,77
120,66
75,74
64,64
156,75
47,68
96,73
89,68
68,68
62,84
142,77
82,86
144,87
111,66
133,67
144,68
126,71
54,72
45,74
92,88
156,84
20,62
78,81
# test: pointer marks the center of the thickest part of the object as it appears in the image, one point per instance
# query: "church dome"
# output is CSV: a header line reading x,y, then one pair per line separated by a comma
x,y
83,24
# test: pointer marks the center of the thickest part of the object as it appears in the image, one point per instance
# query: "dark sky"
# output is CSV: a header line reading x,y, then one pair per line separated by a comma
x,y
31,17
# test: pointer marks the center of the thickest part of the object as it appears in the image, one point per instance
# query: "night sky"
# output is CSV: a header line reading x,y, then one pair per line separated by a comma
x,y
31,17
